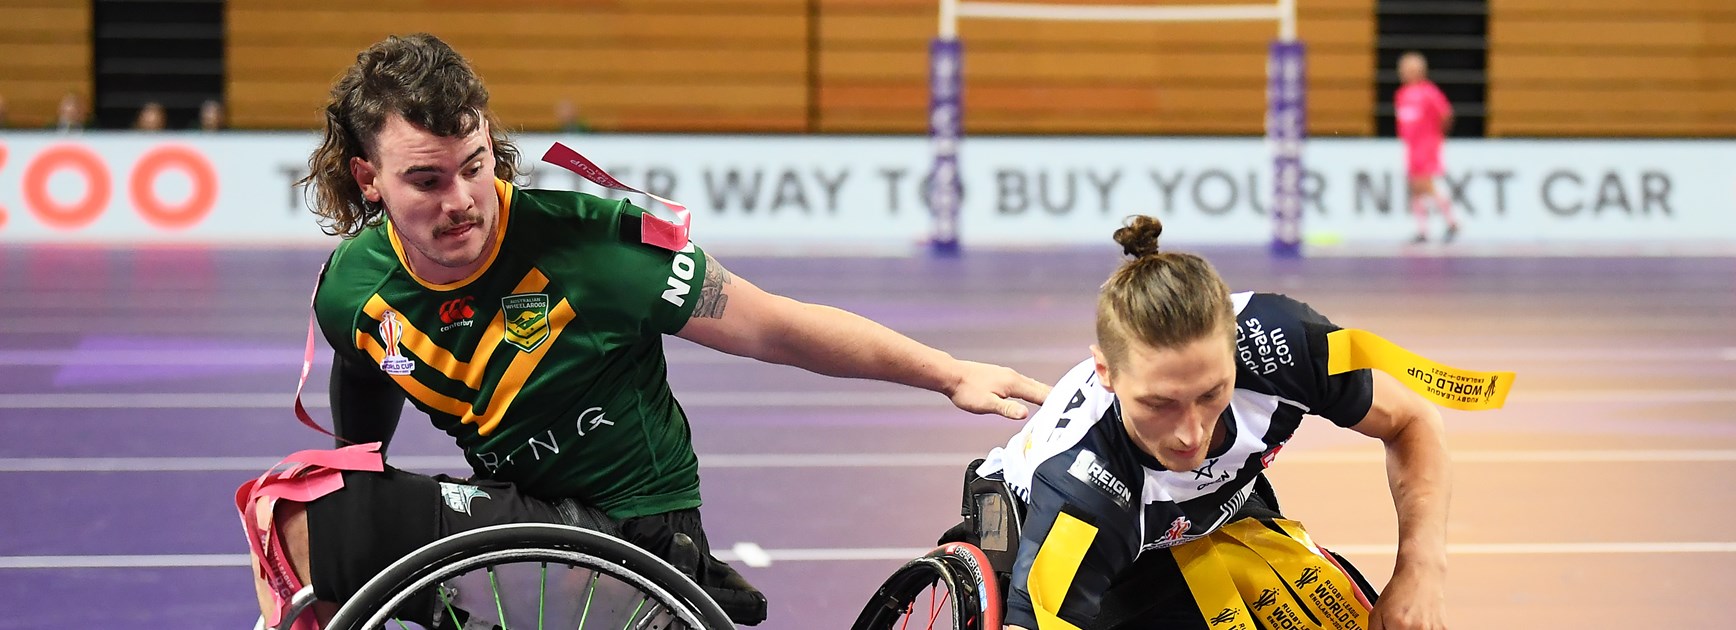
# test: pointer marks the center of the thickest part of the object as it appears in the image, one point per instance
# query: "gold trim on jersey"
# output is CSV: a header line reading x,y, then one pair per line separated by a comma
x,y
470,372
501,188
467,372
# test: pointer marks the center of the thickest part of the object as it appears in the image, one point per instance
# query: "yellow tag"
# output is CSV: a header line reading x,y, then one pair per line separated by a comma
x,y
1209,580
1468,390
1318,584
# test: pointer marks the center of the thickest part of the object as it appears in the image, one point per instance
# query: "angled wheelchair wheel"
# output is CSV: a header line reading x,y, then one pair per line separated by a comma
x,y
531,576
949,588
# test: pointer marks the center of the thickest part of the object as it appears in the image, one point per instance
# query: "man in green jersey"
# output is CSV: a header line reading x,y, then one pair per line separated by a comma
x,y
528,325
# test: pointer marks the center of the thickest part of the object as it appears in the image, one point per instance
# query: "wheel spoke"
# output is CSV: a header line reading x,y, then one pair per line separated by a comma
x,y
542,589
494,585
589,591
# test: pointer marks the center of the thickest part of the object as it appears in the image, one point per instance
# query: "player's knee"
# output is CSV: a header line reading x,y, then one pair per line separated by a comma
x,y
288,521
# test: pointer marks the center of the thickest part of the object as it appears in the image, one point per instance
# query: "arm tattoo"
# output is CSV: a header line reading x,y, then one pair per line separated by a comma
x,y
712,301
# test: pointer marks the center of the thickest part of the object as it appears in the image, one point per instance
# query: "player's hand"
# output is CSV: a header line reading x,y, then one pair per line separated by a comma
x,y
1413,600
984,388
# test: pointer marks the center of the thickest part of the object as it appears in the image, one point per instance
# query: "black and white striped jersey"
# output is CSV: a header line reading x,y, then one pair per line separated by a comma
x,y
1095,497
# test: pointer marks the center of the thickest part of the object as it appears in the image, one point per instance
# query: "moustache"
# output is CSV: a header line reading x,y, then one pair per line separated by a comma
x,y
454,224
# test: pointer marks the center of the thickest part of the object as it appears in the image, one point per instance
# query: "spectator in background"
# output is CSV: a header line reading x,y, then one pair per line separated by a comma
x,y
1424,116
151,117
567,118
211,116
70,116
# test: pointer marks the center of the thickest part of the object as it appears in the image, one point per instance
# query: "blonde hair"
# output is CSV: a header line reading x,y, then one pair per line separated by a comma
x,y
1161,299
417,77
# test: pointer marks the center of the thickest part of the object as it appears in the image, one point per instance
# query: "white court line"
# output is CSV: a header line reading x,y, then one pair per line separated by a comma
x,y
197,358
852,460
125,562
755,400
767,557
751,554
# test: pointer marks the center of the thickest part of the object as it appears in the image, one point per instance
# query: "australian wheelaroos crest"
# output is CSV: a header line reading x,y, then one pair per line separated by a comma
x,y
527,319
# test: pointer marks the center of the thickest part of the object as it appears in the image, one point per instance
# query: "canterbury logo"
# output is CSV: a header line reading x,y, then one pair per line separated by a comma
x,y
457,310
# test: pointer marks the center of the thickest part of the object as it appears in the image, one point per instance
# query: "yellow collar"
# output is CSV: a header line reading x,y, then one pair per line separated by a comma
x,y
502,188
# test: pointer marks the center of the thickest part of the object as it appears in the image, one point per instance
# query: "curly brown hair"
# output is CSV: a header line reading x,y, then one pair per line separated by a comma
x,y
417,77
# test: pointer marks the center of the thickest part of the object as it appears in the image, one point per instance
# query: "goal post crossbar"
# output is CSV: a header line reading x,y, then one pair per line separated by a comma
x,y
1286,109
1282,11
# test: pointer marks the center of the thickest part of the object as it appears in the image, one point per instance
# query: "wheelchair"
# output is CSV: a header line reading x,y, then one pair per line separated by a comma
x,y
967,575
526,575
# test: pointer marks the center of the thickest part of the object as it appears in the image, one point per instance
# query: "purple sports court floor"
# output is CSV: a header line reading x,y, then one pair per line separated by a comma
x,y
139,387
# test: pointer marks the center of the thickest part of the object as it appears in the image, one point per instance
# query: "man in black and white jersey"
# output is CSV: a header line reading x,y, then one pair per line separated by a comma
x,y
1142,472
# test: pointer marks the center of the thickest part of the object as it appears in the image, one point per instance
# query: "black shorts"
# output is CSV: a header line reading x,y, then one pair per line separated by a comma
x,y
377,518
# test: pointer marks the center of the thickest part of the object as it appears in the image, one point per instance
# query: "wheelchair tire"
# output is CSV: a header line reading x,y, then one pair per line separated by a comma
x,y
960,568
529,542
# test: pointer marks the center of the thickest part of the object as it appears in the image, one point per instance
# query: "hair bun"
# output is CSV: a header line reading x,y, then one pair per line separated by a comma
x,y
1139,238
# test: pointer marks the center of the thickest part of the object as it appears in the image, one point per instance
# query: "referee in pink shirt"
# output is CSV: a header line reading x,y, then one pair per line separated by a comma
x,y
1424,116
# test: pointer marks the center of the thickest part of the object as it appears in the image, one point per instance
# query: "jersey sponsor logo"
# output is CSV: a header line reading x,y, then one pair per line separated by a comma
x,y
527,319
1260,349
681,269
1177,529
459,496
1205,472
589,421
391,335
1088,469
457,313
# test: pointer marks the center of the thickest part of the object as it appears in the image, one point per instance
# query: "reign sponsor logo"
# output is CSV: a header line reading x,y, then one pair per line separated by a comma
x,y
1088,469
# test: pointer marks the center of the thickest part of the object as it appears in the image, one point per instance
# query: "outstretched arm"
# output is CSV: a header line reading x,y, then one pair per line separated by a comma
x,y
365,404
1417,471
734,316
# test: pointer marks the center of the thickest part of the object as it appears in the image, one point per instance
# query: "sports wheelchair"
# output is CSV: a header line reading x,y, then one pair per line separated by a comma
x,y
526,575
968,572
967,575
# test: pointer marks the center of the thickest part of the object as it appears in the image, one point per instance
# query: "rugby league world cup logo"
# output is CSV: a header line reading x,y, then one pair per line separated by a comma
x,y
391,333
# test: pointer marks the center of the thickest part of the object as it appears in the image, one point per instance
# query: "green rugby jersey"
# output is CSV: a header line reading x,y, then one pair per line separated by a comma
x,y
546,365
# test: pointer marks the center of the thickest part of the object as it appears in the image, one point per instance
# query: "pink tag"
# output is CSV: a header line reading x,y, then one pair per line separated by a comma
x,y
652,229
307,362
